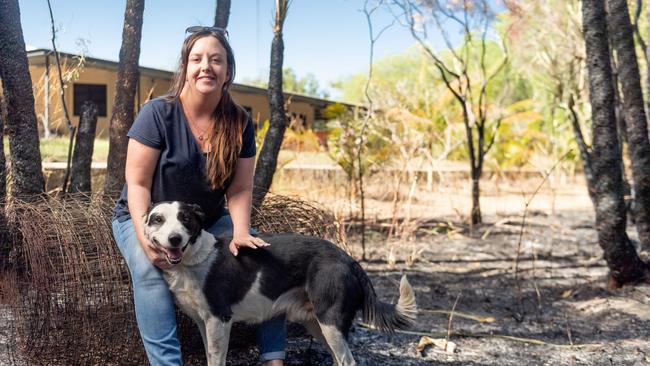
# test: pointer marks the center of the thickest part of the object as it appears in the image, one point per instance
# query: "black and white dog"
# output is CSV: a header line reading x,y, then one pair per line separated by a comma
x,y
310,280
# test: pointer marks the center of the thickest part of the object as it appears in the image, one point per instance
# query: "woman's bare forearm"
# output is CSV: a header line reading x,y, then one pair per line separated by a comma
x,y
139,198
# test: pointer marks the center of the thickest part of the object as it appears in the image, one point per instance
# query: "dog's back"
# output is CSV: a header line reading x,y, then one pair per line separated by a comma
x,y
304,277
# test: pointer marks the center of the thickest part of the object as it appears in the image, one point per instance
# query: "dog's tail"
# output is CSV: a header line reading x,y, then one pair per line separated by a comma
x,y
386,317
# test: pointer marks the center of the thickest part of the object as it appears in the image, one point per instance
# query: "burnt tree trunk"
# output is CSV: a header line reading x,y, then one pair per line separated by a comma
x,y
268,157
621,127
222,14
634,113
476,216
22,129
585,152
624,263
3,160
5,244
82,157
125,88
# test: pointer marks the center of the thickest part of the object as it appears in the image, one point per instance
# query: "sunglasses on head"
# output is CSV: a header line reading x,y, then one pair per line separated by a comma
x,y
199,28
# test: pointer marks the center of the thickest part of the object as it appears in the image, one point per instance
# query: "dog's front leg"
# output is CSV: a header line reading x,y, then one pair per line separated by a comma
x,y
218,336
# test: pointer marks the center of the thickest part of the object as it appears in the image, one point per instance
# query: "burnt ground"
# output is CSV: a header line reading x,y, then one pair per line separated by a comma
x,y
559,296
556,309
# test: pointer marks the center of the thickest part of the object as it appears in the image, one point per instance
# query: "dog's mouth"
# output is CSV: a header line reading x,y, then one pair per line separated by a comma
x,y
172,255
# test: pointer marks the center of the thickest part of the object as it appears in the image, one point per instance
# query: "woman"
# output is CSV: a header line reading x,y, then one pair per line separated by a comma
x,y
195,145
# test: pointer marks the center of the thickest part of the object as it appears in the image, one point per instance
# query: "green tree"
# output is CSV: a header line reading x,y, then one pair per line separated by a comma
x,y
292,83
546,44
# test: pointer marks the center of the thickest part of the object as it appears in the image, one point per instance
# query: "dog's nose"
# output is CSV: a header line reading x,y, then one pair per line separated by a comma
x,y
175,240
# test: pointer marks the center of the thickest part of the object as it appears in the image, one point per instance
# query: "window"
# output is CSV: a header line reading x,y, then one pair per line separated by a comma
x,y
95,93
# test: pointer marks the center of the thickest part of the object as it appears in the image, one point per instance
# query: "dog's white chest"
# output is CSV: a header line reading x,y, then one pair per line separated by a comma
x,y
187,287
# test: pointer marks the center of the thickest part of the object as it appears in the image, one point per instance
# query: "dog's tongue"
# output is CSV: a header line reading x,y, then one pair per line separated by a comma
x,y
174,254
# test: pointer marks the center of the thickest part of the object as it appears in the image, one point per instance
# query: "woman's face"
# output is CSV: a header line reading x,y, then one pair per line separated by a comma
x,y
207,66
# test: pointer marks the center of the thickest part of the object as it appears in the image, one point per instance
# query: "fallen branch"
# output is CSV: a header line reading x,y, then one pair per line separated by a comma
x,y
478,318
489,335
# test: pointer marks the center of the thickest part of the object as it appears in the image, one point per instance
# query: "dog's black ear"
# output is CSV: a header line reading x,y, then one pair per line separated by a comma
x,y
198,211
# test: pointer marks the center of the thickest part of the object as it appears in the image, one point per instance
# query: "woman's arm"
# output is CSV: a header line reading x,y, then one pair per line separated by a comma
x,y
239,195
140,166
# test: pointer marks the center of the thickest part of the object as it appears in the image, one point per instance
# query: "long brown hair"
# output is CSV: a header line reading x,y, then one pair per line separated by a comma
x,y
229,119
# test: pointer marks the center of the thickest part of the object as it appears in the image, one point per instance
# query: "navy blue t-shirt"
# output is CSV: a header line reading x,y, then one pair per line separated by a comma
x,y
180,171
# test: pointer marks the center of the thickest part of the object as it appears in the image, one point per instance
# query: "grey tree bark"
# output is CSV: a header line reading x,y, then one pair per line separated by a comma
x,y
634,113
22,129
222,14
624,264
82,157
268,157
125,89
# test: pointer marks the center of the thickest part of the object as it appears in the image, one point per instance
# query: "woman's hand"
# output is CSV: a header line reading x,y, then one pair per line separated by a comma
x,y
246,241
157,257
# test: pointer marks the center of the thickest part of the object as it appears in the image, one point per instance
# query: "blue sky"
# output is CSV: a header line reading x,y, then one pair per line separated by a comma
x,y
328,38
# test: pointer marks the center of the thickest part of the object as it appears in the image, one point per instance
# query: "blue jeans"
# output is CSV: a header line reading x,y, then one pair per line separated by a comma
x,y
154,304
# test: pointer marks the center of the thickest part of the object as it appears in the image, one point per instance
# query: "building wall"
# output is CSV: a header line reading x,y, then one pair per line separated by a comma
x,y
259,104
302,112
89,75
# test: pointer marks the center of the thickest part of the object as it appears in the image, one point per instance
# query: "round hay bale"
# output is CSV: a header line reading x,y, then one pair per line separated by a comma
x,y
284,214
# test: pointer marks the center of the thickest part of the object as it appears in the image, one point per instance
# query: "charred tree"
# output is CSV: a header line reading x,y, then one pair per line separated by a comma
x,y
222,14
82,157
3,160
22,128
634,113
624,264
125,89
268,157
5,245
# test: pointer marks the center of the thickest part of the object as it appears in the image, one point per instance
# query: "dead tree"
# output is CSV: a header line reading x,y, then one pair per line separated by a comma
x,y
5,245
22,128
268,157
634,113
222,14
470,89
82,157
3,160
624,263
642,44
125,89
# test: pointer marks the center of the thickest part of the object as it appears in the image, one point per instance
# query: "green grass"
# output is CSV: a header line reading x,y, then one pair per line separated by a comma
x,y
56,149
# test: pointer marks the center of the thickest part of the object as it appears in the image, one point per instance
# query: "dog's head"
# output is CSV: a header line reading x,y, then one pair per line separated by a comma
x,y
172,227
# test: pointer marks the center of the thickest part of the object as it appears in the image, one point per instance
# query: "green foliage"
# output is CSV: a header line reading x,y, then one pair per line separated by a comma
x,y
527,98
350,134
292,83
546,44
55,149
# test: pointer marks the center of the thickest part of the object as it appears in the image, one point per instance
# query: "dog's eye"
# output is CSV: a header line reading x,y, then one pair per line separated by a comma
x,y
157,219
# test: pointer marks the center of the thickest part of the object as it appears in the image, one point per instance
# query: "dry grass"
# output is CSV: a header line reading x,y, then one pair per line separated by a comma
x,y
447,196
